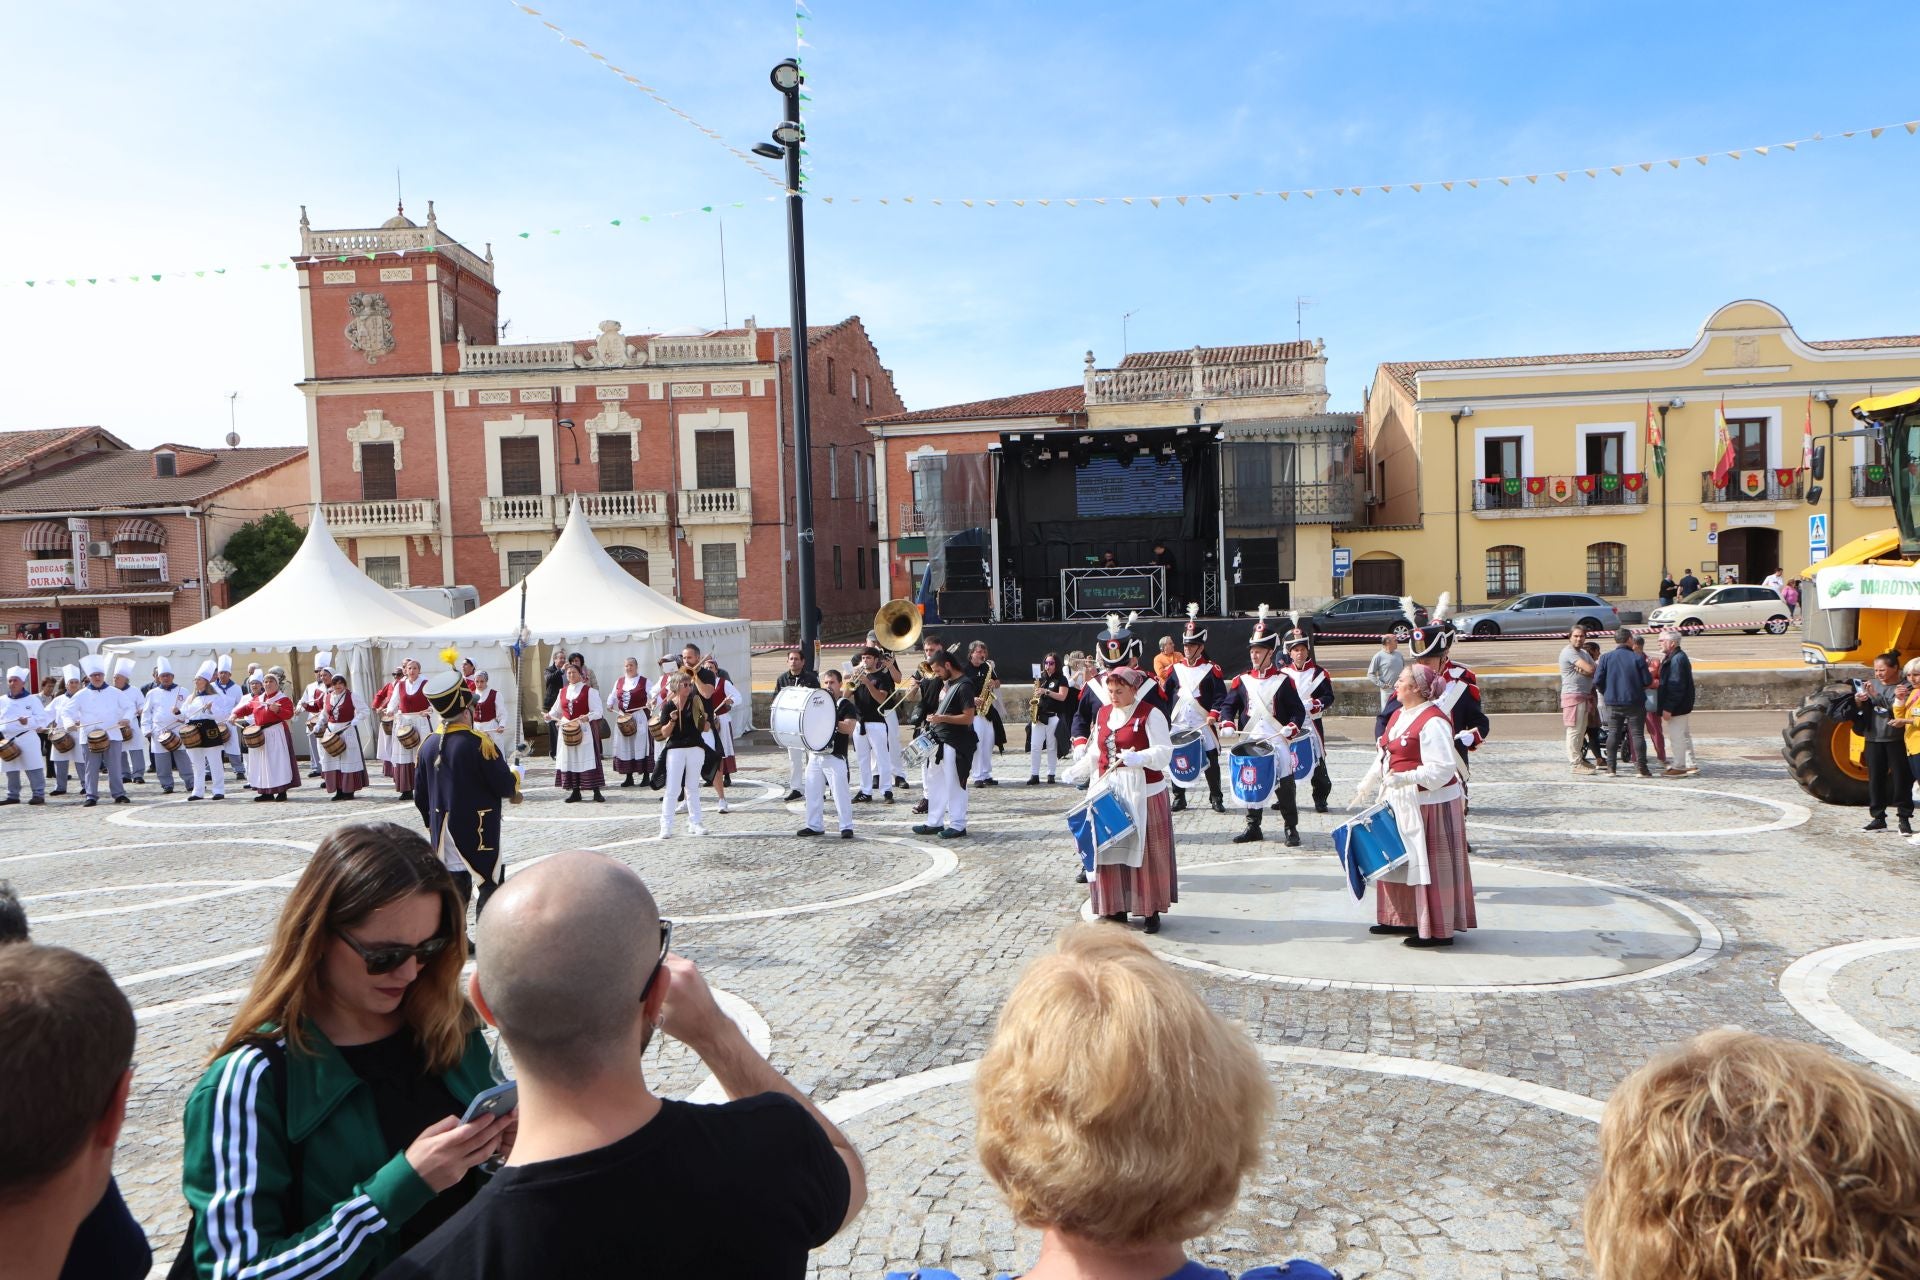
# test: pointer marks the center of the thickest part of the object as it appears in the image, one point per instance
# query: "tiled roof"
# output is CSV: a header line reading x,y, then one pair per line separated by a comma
x,y
1031,404
124,478
1260,353
18,448
1405,372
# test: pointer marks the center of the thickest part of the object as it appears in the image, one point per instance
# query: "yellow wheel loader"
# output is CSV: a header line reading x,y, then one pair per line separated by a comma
x,y
1873,585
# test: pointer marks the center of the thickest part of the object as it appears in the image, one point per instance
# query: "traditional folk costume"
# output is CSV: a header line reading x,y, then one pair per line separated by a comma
x,y
1419,767
1117,646
829,767
462,782
578,765
1315,687
796,756
1043,744
1432,646
272,770
1196,689
1132,747
163,715
65,761
313,704
486,717
383,735
684,737
945,771
346,773
720,728
1263,704
873,743
22,717
632,745
206,711
98,708
133,747
408,702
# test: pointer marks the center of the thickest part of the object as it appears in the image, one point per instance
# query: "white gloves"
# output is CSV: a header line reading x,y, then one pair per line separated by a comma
x,y
1465,738
1368,789
1399,781
1133,758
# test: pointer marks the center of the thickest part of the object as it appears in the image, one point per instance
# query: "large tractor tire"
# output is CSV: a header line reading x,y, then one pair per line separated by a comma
x,y
1822,753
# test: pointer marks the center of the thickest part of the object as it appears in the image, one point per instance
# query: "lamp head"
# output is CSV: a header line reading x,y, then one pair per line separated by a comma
x,y
767,151
1676,403
786,75
787,133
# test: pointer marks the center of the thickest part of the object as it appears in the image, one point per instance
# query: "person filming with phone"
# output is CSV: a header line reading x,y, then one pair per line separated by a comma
x,y
607,1178
327,1136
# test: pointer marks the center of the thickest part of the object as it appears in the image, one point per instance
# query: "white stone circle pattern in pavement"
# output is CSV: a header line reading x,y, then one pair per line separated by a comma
x,y
1788,813
1866,995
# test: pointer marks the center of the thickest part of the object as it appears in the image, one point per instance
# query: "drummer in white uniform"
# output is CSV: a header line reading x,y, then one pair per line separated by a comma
x,y
161,716
206,710
830,765
98,707
67,761
1195,685
229,693
22,717
133,747
797,675
1262,706
1315,687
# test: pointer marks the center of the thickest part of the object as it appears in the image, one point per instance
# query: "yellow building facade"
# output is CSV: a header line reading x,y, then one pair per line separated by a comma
x,y
1486,478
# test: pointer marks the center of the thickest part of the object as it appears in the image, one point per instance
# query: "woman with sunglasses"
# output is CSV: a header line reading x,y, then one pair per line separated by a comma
x,y
326,1136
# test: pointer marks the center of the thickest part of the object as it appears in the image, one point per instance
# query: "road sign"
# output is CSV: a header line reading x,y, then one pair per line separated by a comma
x,y
1817,537
1342,561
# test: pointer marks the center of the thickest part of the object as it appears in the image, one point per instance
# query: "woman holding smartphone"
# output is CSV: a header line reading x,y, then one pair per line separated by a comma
x,y
326,1136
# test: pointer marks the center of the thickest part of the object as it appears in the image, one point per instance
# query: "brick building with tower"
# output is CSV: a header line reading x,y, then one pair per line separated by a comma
x,y
442,456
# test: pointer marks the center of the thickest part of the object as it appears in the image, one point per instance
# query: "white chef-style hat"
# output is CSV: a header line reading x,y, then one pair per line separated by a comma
x,y
123,667
17,673
323,660
161,667
94,665
226,663
207,670
70,672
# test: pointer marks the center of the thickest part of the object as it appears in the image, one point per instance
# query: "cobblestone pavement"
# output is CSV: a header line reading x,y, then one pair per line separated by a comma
x,y
1420,1133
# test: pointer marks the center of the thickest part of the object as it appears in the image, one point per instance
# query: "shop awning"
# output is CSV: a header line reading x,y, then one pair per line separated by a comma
x,y
47,535
140,530
86,598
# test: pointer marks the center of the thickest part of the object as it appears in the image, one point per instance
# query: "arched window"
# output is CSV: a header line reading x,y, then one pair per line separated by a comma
x,y
1506,572
632,559
1379,574
1607,568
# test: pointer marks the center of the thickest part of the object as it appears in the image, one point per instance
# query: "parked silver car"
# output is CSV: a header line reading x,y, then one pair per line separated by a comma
x,y
1539,612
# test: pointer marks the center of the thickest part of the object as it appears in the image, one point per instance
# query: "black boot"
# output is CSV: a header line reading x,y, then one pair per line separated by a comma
x,y
573,796
1179,800
1215,803
1153,923
597,797
1252,833
1293,837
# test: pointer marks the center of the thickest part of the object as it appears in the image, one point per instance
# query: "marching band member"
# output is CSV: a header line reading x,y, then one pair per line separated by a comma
x,y
486,712
718,690
889,663
578,766
989,730
1131,749
98,705
162,713
133,764
408,702
1315,687
313,703
346,773
873,745
1117,646
22,716
271,768
830,766
229,693
68,760
944,774
1195,686
1432,647
1050,692
796,676
1419,767
632,752
383,733
207,709
1263,705
928,684
463,778
680,727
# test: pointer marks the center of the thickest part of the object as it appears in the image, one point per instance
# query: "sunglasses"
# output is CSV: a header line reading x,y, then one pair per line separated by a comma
x,y
666,945
384,960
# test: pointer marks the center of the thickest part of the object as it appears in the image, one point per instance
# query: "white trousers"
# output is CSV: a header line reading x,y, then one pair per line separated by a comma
x,y
683,782
204,763
1680,742
898,762
797,768
873,746
822,768
946,798
983,758
1042,744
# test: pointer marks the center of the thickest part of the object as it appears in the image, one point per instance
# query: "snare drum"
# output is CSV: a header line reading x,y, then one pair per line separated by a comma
x,y
98,741
253,737
62,741
170,741
1306,755
1189,757
1250,769
1370,846
802,718
917,752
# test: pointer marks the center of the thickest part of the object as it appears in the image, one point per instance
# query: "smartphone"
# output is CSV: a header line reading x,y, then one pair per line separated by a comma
x,y
496,1101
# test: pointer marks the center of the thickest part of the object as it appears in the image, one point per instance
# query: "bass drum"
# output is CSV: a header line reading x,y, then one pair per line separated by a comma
x,y
802,719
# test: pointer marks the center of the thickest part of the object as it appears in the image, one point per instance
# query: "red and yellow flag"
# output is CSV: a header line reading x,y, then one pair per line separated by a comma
x,y
1656,441
1722,446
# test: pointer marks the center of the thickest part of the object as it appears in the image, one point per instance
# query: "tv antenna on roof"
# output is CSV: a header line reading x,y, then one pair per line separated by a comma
x,y
1300,306
1123,327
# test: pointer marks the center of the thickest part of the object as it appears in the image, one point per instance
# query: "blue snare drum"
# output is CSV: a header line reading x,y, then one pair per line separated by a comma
x,y
1189,757
1369,846
1096,823
1250,767
1306,755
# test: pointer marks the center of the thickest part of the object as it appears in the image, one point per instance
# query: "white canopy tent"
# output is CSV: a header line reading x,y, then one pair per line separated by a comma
x,y
319,601
580,599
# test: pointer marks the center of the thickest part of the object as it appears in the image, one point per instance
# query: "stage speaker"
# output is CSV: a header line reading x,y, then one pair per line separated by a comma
x,y
962,604
967,568
1043,610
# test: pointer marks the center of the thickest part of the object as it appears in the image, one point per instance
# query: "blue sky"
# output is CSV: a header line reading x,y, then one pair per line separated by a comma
x,y
150,138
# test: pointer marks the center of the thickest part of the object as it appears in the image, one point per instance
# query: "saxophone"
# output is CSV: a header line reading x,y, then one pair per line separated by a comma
x,y
984,703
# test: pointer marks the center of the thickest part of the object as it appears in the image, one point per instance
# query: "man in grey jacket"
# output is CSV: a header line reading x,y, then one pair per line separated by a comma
x,y
1386,667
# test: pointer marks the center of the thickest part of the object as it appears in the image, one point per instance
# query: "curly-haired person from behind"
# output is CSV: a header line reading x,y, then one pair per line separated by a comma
x,y
1118,1114
1742,1157
325,1138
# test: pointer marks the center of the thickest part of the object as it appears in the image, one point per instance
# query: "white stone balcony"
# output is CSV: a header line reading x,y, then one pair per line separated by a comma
x,y
520,355
390,518
526,513
359,241
611,351
716,506
1200,379
637,509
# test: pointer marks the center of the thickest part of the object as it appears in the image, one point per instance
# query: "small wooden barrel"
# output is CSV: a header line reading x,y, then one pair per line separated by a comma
x,y
332,741
189,735
98,741
170,741
571,733
62,741
126,731
408,738
9,751
628,726
254,737
218,738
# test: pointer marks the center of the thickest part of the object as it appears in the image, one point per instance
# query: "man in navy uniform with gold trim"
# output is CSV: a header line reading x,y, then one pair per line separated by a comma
x,y
461,783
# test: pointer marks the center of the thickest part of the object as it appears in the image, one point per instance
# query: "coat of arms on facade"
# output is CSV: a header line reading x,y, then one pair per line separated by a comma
x,y
610,349
371,328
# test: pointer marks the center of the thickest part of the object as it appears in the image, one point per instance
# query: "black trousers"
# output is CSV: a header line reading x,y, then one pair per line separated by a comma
x,y
1888,780
1212,774
1624,723
1286,802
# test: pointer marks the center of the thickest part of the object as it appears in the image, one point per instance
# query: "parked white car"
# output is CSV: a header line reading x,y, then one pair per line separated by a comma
x,y
1751,609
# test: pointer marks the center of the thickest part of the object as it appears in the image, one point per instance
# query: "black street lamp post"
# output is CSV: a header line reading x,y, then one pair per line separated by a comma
x,y
788,136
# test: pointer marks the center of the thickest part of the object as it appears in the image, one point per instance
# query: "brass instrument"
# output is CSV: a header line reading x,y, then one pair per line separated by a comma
x,y
897,625
984,703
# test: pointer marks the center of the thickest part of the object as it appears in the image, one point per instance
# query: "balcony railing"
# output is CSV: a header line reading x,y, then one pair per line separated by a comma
x,y
400,517
1766,485
1199,381
521,355
640,353
716,506
1872,481
635,509
737,349
363,242
1559,493
940,518
1329,502
520,512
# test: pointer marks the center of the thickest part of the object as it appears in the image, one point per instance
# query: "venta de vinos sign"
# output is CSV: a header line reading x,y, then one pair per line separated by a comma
x,y
1865,586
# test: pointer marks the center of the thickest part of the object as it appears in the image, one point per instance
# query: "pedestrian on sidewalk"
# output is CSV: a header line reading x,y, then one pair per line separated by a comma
x,y
1655,732
1596,743
1621,682
1676,705
1888,781
1906,714
1385,668
1576,698
1791,594
1688,583
1669,589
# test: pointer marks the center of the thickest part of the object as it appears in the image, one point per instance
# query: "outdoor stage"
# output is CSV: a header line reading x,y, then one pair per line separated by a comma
x,y
1017,645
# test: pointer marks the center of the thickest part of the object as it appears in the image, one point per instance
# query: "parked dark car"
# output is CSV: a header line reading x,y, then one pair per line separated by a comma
x,y
1361,618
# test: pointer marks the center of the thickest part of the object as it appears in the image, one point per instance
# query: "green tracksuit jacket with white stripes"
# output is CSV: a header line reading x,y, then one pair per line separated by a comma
x,y
355,1191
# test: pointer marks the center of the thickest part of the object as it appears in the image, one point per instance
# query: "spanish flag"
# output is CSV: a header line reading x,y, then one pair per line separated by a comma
x,y
1722,446
1656,441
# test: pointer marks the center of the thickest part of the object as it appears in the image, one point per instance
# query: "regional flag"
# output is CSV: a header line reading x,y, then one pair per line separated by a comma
x,y
1806,437
1656,441
1722,446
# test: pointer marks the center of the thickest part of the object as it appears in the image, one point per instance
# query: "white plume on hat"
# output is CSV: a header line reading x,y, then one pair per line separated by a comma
x,y
1132,618
207,671
17,673
1412,610
1442,607
1113,623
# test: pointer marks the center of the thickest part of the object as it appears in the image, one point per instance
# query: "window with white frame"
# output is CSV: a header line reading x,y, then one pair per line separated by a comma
x,y
384,570
720,574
